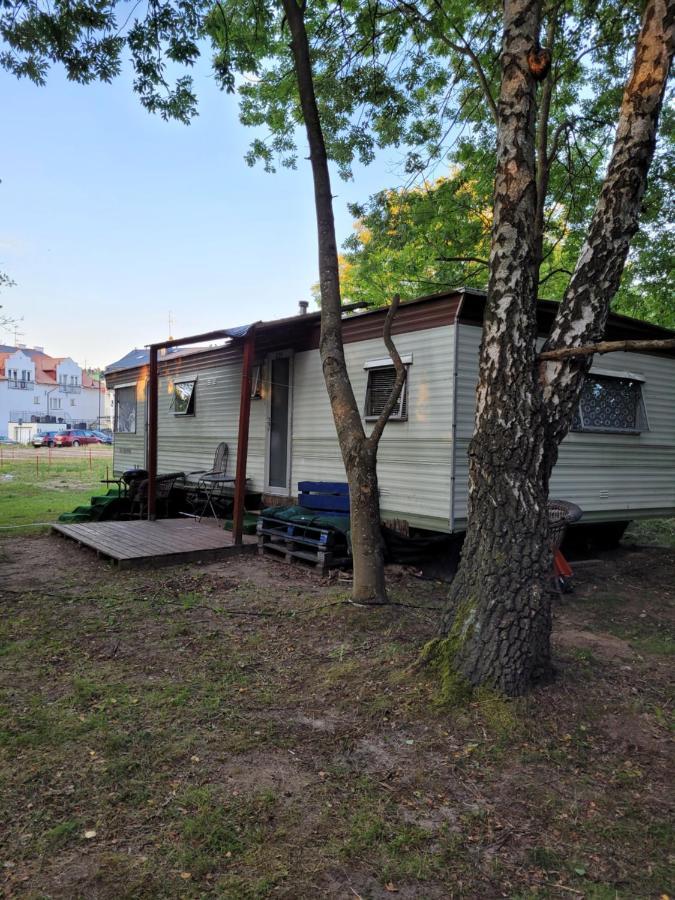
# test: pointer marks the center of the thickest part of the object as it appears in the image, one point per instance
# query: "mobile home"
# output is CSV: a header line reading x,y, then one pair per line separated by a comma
x,y
618,463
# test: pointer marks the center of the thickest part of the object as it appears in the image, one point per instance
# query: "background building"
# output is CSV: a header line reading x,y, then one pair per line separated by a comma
x,y
40,390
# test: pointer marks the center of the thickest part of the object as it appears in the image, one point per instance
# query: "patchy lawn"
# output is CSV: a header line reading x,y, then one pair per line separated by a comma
x,y
236,730
37,485
657,532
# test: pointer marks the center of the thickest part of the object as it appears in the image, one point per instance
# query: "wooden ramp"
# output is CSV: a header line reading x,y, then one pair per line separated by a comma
x,y
165,542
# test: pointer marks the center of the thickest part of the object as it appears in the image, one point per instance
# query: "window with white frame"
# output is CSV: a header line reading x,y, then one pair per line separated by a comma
x,y
611,403
125,410
36,400
183,402
55,402
379,385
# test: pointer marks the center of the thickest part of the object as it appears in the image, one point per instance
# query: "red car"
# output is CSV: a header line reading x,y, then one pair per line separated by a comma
x,y
74,438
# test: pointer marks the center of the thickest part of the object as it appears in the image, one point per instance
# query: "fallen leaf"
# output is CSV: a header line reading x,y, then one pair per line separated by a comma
x,y
186,876
89,834
389,886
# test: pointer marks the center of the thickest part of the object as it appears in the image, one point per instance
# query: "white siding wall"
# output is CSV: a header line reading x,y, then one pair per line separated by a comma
x,y
414,459
611,476
414,465
188,443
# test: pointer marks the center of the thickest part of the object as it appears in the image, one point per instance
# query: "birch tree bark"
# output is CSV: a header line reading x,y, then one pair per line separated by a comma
x,y
496,626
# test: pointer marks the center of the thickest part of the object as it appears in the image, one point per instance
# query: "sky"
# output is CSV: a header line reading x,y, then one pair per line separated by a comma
x,y
112,220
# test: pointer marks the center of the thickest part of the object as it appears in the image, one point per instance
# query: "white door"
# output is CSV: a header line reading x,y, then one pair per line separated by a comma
x,y
279,405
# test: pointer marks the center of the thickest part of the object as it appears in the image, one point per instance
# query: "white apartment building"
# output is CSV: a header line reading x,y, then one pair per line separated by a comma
x,y
43,390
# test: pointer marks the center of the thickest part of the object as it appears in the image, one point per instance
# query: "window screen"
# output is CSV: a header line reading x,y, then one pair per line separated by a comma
x,y
611,404
184,398
125,410
380,385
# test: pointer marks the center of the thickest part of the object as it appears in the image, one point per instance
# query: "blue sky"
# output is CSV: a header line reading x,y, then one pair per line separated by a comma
x,y
112,218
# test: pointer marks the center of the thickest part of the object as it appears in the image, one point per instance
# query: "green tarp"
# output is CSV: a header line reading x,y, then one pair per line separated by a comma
x,y
301,516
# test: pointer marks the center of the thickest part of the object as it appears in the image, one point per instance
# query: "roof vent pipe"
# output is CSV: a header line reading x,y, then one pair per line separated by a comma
x,y
303,304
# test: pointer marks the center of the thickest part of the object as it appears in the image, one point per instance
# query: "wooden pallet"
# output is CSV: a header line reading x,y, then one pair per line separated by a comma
x,y
319,545
322,560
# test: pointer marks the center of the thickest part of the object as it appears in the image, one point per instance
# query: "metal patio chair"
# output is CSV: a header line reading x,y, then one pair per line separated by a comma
x,y
211,483
219,462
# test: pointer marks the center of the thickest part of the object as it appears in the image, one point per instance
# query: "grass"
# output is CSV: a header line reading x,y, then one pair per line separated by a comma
x,y
152,746
33,492
652,532
222,731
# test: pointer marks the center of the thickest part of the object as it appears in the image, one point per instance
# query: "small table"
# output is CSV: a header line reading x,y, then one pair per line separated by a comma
x,y
209,484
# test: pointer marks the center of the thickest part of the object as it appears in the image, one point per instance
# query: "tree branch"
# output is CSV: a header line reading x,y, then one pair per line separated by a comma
x,y
557,134
475,259
582,314
607,347
552,273
464,49
542,157
401,374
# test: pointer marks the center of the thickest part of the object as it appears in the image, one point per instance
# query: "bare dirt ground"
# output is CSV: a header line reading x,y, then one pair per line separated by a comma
x,y
236,730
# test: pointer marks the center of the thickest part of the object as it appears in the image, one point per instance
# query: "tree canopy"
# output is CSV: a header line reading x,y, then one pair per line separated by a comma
x,y
422,78
436,235
419,79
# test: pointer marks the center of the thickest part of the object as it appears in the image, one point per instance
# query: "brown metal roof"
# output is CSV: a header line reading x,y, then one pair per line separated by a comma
x,y
463,305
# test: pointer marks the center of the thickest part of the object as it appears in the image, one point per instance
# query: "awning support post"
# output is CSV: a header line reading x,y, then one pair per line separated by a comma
x,y
153,396
242,437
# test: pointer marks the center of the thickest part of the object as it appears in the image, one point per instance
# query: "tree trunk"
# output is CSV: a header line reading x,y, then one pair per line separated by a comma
x,y
496,627
498,624
366,535
359,452
583,312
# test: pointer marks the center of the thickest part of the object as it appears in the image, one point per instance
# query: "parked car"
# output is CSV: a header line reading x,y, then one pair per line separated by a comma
x,y
44,438
7,440
103,437
75,437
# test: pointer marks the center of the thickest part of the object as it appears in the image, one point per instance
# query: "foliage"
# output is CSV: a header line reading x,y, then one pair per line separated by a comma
x,y
396,75
436,234
5,281
89,37
402,76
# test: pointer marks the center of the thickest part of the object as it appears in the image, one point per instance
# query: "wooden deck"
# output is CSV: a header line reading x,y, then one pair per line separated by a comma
x,y
165,542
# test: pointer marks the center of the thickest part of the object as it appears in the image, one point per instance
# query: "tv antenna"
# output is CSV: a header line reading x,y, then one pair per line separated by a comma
x,y
170,325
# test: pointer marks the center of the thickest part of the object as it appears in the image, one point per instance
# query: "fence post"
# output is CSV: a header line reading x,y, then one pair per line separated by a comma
x,y
37,465
90,457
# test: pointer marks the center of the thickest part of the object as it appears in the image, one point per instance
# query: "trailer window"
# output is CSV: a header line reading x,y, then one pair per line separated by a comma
x,y
379,387
611,405
125,410
184,398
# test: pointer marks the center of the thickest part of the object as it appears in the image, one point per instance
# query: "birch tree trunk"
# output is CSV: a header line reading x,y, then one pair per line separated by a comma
x,y
496,626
